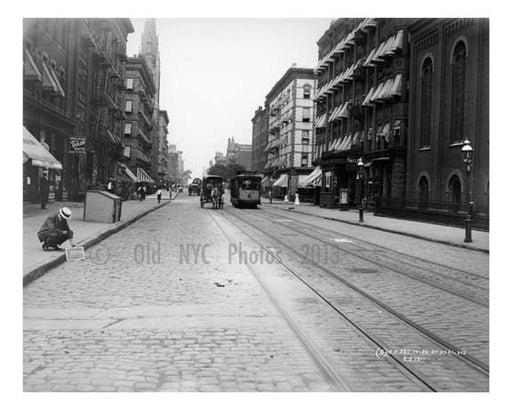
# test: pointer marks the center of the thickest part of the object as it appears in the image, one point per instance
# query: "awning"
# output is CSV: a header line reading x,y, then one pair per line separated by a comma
x,y
265,182
343,113
377,56
50,81
34,150
368,97
30,70
127,171
142,176
376,93
398,43
311,177
282,181
396,88
385,93
368,61
339,141
388,51
321,121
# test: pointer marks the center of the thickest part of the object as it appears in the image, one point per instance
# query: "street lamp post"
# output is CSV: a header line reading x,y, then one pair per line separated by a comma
x,y
467,157
360,174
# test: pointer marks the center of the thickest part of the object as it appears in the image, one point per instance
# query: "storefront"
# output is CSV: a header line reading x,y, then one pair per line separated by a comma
x,y
39,163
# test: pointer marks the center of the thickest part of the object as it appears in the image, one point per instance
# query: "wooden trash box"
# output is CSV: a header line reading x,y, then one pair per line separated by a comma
x,y
102,206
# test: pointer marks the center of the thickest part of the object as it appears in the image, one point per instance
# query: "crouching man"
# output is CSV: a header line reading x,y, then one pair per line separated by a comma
x,y
55,230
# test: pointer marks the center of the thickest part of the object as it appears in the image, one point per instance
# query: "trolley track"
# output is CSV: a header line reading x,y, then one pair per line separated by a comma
x,y
474,363
312,349
475,293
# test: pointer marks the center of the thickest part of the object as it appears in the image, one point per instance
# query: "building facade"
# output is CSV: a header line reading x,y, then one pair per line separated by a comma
x,y
139,127
291,112
73,81
240,154
259,140
362,108
163,132
449,94
150,52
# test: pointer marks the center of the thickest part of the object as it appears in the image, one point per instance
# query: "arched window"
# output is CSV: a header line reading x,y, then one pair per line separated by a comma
x,y
426,102
458,91
454,189
423,189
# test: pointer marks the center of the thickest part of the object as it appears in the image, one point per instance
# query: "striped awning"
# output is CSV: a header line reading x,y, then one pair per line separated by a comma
x,y
142,176
35,151
30,70
127,171
282,181
312,178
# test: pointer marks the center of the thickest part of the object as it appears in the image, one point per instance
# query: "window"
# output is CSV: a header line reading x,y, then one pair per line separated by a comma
x,y
128,106
128,128
305,115
307,92
304,161
458,91
305,137
454,189
423,189
129,83
426,103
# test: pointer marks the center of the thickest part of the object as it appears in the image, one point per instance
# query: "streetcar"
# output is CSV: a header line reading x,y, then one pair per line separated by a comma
x,y
212,191
245,190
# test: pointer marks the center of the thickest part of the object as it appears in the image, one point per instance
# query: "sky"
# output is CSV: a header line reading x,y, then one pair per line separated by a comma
x,y
215,72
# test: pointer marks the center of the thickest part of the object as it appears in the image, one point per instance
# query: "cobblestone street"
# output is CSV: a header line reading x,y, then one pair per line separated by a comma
x,y
131,320
186,299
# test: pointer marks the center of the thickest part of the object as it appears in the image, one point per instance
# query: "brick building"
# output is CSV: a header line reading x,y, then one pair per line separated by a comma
x,y
139,127
259,140
449,94
362,107
73,79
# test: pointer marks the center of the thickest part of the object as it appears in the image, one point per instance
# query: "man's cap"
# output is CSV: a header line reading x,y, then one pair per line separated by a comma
x,y
65,213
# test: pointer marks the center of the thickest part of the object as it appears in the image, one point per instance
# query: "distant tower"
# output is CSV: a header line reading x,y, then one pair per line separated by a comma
x,y
149,51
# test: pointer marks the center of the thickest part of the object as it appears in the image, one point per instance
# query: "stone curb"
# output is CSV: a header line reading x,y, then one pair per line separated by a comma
x,y
412,235
36,273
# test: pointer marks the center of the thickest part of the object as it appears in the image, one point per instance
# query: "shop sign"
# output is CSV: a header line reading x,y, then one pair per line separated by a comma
x,y
77,145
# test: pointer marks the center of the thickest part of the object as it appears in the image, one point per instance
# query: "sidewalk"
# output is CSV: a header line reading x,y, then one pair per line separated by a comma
x,y
36,262
448,235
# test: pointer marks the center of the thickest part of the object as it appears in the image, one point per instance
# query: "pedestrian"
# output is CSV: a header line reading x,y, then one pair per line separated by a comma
x,y
55,230
139,193
110,187
143,191
44,190
270,194
159,195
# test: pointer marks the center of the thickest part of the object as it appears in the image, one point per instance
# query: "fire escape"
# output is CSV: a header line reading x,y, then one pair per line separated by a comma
x,y
107,98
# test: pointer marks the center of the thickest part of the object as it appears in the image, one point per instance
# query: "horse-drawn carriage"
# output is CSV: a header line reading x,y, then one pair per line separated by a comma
x,y
212,191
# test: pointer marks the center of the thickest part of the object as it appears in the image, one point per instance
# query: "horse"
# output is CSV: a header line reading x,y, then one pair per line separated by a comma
x,y
215,194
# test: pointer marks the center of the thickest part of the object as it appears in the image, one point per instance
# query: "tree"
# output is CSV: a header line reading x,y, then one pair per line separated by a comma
x,y
226,171
186,176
